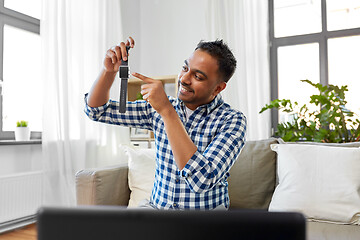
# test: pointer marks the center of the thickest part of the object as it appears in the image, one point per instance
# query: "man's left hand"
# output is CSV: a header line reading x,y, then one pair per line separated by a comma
x,y
153,92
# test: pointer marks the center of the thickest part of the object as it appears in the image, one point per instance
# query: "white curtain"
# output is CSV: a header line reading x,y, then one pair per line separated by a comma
x,y
243,24
75,36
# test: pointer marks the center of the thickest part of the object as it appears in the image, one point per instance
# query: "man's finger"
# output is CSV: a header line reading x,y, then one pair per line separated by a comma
x,y
142,77
117,50
130,42
112,55
123,51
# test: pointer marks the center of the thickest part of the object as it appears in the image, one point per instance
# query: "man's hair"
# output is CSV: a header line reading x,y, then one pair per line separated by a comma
x,y
225,58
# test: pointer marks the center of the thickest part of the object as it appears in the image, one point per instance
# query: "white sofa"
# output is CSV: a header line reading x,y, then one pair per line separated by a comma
x,y
252,182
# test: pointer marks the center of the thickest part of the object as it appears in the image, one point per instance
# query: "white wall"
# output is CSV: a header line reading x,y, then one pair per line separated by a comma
x,y
166,33
20,158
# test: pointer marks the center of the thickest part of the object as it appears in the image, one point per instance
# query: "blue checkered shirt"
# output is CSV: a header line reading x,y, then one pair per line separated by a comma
x,y
219,134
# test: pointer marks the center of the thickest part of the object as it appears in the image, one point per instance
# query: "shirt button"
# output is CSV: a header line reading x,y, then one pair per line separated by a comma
x,y
177,180
175,205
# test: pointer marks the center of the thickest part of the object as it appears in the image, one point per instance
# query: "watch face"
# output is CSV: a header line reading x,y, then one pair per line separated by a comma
x,y
124,72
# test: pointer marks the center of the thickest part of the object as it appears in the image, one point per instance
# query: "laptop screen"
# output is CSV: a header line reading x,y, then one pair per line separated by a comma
x,y
110,223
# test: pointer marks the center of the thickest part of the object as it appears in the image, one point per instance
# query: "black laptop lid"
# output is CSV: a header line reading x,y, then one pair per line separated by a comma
x,y
110,223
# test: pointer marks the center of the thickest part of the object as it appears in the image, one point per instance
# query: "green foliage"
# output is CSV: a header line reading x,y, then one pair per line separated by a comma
x,y
139,96
22,123
330,122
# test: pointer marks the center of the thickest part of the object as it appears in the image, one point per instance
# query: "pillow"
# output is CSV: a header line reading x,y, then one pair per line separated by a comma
x,y
141,163
348,144
252,177
322,182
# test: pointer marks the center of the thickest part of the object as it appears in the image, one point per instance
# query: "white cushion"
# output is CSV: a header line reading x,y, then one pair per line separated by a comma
x,y
141,163
322,182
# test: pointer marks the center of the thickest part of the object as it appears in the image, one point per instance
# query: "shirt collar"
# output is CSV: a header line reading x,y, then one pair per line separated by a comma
x,y
209,106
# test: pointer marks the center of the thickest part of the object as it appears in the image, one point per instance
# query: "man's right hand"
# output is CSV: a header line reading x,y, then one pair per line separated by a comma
x,y
100,91
115,54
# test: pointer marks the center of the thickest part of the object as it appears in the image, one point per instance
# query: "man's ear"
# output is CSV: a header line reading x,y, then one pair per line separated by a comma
x,y
221,86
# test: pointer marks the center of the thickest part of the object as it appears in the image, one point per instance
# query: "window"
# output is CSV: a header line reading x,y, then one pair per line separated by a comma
x,y
20,54
317,40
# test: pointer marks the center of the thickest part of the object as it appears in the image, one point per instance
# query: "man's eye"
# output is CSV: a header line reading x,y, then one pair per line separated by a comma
x,y
198,77
185,68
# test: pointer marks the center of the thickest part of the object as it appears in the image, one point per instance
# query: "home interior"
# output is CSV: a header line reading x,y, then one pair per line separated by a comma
x,y
277,43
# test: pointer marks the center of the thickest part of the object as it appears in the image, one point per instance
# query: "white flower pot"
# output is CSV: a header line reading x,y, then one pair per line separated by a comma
x,y
22,133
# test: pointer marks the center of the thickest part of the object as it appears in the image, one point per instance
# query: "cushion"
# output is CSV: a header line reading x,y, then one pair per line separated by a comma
x,y
348,144
327,231
252,177
322,182
141,174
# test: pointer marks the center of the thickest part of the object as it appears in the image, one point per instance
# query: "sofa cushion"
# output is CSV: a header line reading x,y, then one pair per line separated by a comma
x,y
320,181
329,231
141,174
252,177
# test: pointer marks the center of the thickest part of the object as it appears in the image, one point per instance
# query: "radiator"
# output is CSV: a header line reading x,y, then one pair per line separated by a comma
x,y
20,195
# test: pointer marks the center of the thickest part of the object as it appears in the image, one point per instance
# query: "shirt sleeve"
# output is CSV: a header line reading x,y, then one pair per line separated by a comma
x,y
204,170
138,114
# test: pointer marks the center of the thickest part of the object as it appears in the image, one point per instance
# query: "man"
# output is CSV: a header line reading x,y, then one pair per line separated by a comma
x,y
197,136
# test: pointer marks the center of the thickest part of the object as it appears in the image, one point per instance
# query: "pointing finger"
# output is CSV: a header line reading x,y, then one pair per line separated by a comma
x,y
142,77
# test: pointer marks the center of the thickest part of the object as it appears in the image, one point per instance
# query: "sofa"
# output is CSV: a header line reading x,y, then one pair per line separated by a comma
x,y
260,179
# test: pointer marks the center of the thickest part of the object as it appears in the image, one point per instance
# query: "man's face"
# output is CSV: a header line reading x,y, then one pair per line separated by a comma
x,y
199,81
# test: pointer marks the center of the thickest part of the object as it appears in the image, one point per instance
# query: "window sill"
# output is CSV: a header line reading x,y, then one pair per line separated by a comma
x,y
13,142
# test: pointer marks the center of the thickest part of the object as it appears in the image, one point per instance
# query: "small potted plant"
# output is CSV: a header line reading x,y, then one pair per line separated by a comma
x,y
22,131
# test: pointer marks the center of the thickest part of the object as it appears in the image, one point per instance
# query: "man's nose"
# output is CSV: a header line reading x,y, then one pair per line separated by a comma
x,y
185,78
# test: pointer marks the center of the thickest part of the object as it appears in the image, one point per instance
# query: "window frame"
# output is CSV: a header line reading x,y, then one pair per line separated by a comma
x,y
24,22
321,38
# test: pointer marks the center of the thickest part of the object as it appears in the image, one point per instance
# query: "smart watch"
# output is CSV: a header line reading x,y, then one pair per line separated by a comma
x,y
124,76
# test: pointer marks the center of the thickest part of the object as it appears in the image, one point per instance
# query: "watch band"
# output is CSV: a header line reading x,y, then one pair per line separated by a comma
x,y
124,76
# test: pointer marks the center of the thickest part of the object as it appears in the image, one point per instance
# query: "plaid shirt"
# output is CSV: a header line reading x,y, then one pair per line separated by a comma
x,y
219,134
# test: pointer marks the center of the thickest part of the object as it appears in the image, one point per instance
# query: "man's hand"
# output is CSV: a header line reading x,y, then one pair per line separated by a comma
x,y
181,144
153,92
100,91
117,53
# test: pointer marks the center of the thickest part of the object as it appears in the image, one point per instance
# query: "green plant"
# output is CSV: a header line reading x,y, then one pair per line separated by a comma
x,y
331,121
21,123
139,96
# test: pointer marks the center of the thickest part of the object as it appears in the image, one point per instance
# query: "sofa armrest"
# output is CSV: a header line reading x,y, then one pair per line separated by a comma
x,y
103,186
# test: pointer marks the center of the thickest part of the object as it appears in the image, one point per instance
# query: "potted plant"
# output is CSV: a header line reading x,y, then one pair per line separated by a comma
x,y
22,131
331,121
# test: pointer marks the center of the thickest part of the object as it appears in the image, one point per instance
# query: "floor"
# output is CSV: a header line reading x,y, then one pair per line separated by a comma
x,y
25,233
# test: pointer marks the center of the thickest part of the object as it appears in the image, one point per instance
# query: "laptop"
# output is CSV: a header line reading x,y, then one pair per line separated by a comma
x,y
111,222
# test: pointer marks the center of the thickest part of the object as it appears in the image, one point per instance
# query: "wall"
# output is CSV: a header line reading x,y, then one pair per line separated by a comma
x,y
20,158
166,33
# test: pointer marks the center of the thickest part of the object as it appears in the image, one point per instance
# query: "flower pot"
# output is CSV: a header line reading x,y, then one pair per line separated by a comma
x,y
22,134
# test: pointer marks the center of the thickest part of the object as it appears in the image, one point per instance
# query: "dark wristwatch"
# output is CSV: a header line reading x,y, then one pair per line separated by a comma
x,y
124,76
